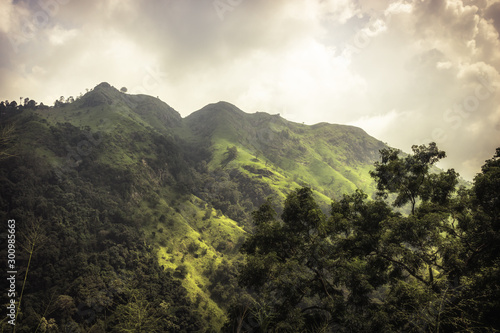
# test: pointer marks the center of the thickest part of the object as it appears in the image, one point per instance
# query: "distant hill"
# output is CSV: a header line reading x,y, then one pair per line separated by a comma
x,y
125,182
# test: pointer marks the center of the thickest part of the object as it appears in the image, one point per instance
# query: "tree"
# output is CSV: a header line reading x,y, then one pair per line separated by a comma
x,y
409,177
278,259
477,261
137,315
123,89
7,136
302,261
366,268
31,104
301,265
231,153
487,189
31,239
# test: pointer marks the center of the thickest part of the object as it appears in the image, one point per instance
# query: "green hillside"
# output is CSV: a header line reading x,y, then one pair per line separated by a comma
x,y
140,209
333,159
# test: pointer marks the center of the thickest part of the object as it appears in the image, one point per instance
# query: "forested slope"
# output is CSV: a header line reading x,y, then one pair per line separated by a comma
x,y
122,205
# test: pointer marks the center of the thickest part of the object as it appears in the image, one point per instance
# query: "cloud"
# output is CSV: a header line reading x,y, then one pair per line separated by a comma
x,y
493,13
431,59
339,11
59,35
5,16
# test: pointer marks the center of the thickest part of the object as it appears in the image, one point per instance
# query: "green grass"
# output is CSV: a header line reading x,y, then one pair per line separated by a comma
x,y
317,163
186,239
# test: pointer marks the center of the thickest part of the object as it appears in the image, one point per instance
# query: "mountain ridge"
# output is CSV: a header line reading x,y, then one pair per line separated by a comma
x,y
217,107
270,137
184,187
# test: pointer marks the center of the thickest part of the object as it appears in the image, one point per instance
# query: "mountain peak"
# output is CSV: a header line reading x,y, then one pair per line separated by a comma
x,y
102,85
102,94
223,106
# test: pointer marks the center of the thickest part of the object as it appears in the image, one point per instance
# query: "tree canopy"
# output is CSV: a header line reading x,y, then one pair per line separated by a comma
x,y
368,268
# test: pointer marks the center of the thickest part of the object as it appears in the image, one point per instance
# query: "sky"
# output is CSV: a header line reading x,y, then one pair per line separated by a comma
x,y
407,72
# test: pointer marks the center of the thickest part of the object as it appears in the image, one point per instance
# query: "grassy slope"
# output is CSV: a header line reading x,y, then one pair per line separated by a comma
x,y
332,159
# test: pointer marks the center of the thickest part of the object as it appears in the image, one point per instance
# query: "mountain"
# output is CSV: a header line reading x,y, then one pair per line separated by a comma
x,y
132,208
331,158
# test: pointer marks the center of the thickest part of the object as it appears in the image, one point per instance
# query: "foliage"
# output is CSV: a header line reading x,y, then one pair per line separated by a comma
x,y
409,177
136,214
89,261
366,268
231,154
7,146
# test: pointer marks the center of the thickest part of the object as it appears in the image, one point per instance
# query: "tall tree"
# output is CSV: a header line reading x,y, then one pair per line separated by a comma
x,y
409,177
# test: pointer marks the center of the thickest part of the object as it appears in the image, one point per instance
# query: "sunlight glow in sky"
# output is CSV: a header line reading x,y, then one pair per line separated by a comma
x,y
408,72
